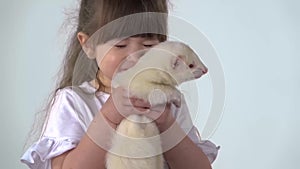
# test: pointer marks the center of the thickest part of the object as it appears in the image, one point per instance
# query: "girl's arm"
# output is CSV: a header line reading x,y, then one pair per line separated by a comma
x,y
87,153
80,157
185,154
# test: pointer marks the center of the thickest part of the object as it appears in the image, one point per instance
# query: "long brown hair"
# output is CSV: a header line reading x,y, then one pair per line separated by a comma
x,y
92,15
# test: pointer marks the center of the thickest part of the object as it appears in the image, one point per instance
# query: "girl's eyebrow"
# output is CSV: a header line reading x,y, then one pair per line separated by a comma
x,y
152,39
116,41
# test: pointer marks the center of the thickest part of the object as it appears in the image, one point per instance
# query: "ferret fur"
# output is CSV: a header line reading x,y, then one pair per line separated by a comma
x,y
162,68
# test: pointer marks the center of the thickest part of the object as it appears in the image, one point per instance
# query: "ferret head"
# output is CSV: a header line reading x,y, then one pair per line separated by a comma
x,y
168,63
184,64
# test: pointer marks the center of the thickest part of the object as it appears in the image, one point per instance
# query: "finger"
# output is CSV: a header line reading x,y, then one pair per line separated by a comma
x,y
140,103
176,99
140,111
176,102
158,108
135,103
127,102
154,114
120,91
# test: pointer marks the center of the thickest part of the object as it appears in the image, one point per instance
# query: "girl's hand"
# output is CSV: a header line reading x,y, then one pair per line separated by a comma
x,y
119,105
162,115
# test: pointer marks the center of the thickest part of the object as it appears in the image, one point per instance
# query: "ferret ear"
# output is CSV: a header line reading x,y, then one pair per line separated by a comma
x,y
175,62
182,57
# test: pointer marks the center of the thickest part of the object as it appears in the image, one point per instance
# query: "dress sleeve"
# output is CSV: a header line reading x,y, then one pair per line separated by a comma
x,y
62,132
39,155
207,147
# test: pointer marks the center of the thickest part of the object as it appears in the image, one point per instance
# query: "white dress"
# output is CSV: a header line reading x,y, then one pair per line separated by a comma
x,y
69,118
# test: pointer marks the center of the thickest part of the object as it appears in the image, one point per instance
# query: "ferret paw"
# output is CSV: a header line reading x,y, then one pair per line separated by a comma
x,y
157,97
175,98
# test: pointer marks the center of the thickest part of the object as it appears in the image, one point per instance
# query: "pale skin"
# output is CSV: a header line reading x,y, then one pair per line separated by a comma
x,y
89,155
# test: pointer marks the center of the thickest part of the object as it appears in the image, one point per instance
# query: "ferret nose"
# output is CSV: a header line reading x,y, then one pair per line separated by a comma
x,y
204,70
198,72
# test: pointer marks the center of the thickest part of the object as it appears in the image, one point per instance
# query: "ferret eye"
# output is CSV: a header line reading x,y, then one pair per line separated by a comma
x,y
191,66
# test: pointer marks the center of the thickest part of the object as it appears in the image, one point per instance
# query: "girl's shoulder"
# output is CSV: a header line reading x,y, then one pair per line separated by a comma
x,y
85,90
82,95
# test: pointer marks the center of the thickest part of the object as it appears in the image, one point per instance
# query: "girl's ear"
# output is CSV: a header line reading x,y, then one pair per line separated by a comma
x,y
83,38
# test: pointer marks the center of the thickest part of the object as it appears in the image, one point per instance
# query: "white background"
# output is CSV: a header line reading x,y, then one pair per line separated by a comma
x,y
258,46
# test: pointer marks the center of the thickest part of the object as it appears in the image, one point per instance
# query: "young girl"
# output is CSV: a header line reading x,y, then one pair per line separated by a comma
x,y
85,110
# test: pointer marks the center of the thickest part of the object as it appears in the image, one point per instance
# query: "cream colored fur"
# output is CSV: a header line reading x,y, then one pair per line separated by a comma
x,y
162,68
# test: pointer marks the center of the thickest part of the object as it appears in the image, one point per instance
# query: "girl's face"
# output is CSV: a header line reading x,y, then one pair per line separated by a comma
x,y
115,52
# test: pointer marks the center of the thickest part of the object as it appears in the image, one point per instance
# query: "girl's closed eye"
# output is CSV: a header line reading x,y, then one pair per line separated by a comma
x,y
150,42
120,46
119,43
148,45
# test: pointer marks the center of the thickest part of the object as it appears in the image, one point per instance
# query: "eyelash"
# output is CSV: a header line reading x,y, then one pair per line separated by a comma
x,y
123,46
147,46
120,46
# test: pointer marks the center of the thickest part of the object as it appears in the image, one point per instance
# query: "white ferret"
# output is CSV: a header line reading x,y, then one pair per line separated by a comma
x,y
137,144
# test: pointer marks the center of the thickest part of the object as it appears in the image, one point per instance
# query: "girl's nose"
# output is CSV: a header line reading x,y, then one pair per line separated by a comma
x,y
132,59
136,51
135,48
135,56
